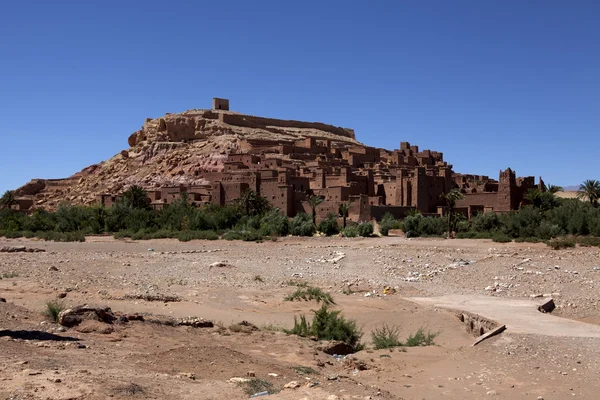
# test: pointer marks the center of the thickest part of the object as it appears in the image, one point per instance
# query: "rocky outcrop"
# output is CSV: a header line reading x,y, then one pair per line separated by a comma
x,y
76,315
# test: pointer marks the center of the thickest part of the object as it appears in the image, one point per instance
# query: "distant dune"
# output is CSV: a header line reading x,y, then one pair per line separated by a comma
x,y
567,194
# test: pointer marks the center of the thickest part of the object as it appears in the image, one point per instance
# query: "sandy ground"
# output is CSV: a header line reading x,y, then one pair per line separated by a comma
x,y
549,356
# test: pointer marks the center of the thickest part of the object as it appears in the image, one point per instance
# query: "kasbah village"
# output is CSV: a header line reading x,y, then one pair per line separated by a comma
x,y
231,256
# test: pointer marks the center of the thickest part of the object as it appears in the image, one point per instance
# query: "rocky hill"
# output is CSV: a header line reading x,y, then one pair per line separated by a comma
x,y
175,149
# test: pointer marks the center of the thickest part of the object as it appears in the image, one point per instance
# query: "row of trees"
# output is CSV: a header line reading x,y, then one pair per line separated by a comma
x,y
251,217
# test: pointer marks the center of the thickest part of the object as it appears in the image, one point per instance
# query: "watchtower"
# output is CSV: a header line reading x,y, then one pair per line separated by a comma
x,y
220,104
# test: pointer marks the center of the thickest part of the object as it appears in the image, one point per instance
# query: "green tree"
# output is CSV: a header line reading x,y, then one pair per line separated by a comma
x,y
8,199
533,197
450,199
313,202
589,190
251,203
136,198
343,211
554,188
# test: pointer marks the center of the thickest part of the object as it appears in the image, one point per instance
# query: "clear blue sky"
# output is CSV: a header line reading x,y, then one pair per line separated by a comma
x,y
492,84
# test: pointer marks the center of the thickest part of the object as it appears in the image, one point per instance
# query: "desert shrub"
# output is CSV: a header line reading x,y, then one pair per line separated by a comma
x,y
305,370
474,235
255,385
528,240
186,236
61,236
386,337
222,217
248,223
40,220
563,243
501,237
328,324
387,223
350,231
418,225
123,234
411,223
232,235
138,219
28,234
329,225
274,223
523,223
308,293
53,308
12,234
365,229
302,225
433,226
485,222
421,338
589,241
547,230
247,236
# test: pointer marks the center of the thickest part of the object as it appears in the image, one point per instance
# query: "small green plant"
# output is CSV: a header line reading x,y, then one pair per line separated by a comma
x,y
589,241
558,244
350,231
258,278
308,293
8,275
328,324
131,389
256,385
386,337
365,229
501,237
305,370
421,338
53,308
272,328
329,225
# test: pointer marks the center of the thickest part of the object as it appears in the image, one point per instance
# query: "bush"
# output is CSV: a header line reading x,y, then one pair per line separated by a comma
x,y
247,236
558,244
328,325
387,223
255,385
61,236
421,338
589,241
418,225
302,225
308,293
329,225
501,237
386,337
350,231
473,235
485,222
53,308
274,224
186,236
365,229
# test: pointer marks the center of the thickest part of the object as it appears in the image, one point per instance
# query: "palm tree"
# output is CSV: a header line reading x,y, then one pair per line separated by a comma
x,y
313,202
589,190
450,199
136,197
8,199
343,210
252,203
533,197
555,188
